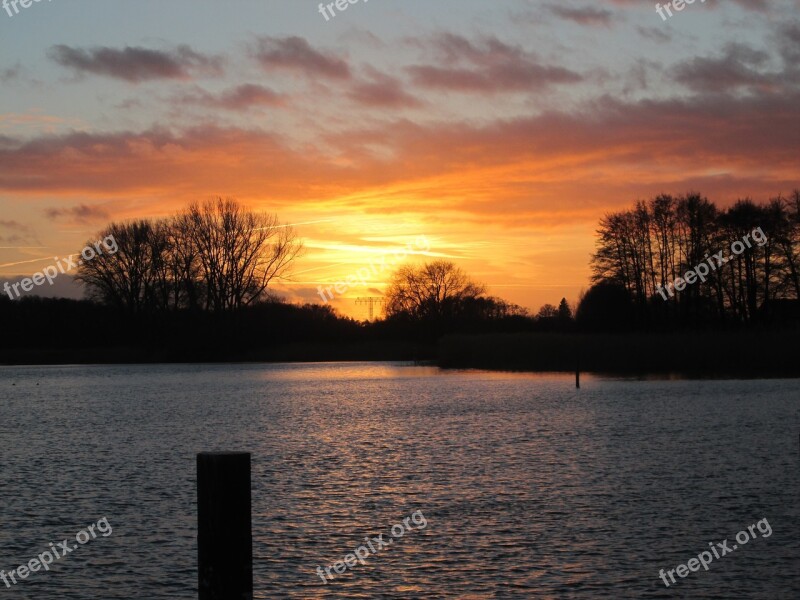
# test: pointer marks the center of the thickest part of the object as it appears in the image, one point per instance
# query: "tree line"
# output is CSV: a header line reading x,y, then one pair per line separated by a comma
x,y
644,250
219,257
440,291
213,256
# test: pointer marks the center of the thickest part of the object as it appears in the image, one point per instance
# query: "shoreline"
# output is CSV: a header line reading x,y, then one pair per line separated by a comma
x,y
714,355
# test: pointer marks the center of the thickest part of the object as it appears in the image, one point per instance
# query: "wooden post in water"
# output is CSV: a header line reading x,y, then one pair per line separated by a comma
x,y
224,535
578,375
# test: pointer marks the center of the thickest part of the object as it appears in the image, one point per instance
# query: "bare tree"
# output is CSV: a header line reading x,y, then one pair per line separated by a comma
x,y
650,246
434,289
214,255
126,278
239,252
547,311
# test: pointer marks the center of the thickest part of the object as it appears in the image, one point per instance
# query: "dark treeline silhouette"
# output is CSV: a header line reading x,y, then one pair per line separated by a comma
x,y
214,256
439,297
640,252
154,300
197,287
49,330
742,321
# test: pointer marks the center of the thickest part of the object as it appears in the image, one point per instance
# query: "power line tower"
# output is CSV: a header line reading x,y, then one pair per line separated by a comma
x,y
371,302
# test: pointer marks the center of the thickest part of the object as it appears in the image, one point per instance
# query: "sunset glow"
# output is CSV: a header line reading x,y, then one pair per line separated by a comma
x,y
501,132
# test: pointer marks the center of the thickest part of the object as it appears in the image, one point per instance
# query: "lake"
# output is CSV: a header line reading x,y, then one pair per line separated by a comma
x,y
529,488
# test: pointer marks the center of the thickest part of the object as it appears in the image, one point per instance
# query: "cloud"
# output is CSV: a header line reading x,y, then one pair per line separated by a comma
x,y
82,213
296,54
11,73
655,34
157,162
240,98
553,165
737,67
761,6
754,5
585,15
16,233
382,91
492,67
135,64
789,42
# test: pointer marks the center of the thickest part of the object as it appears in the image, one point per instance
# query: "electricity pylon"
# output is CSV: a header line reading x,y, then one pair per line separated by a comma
x,y
370,301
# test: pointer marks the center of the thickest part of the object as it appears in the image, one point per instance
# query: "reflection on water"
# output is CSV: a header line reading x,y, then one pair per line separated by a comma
x,y
530,487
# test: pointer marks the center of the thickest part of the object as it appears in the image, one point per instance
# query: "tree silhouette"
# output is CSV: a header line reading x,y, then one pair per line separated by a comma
x,y
547,311
564,313
215,256
605,307
649,247
434,290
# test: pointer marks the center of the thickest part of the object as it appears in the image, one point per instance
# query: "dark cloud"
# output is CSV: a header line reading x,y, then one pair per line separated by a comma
x,y
737,67
10,73
82,213
240,98
789,43
136,64
492,67
382,91
607,136
754,5
585,15
296,54
655,34
158,160
15,233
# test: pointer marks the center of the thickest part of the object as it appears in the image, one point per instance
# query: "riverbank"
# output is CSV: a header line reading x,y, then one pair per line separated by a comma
x,y
713,354
708,354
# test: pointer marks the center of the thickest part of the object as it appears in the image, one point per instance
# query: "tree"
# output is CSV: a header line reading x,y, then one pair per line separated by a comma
x,y
564,312
433,290
605,307
127,277
239,252
547,311
646,249
216,255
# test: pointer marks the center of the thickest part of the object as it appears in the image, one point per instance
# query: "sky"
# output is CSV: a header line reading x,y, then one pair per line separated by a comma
x,y
491,133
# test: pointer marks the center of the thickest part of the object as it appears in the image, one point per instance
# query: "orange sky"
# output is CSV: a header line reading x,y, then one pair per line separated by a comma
x,y
499,137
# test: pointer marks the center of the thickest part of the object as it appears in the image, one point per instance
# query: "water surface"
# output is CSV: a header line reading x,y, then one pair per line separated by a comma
x,y
529,487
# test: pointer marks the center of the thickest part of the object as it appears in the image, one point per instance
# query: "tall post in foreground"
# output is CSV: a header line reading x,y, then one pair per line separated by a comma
x,y
224,535
578,375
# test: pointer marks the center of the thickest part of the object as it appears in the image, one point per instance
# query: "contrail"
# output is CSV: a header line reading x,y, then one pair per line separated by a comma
x,y
24,262
293,224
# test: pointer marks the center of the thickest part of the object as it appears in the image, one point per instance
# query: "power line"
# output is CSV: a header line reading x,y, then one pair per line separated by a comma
x,y
370,301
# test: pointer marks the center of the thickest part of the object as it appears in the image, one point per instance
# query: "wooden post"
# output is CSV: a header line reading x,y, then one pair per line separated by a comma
x,y
578,375
224,535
